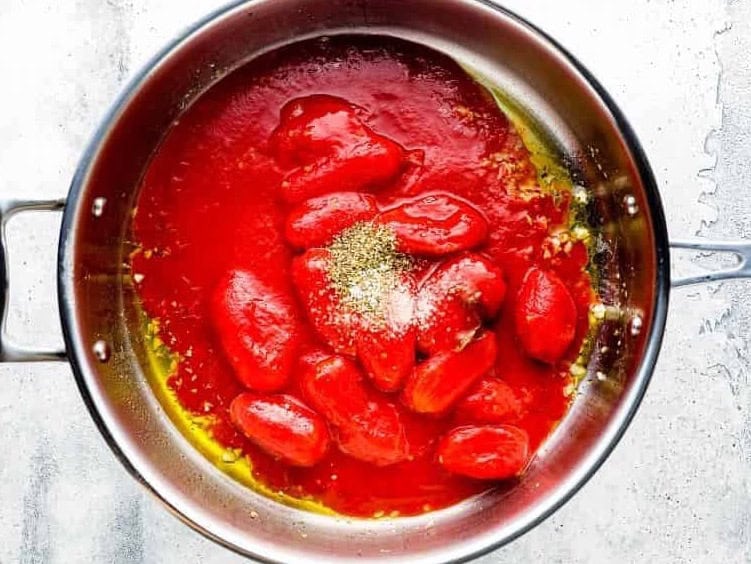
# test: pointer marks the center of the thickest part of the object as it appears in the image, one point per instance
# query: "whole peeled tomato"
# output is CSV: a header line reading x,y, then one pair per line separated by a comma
x,y
491,400
435,224
441,380
311,127
282,426
258,330
489,452
387,357
367,426
545,316
453,298
332,148
367,165
444,323
320,301
317,221
386,344
386,352
476,279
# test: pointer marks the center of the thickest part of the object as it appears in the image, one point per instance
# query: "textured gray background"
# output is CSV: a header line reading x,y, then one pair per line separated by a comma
x,y
677,489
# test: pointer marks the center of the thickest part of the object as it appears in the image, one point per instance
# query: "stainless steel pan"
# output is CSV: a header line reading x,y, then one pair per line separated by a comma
x,y
106,349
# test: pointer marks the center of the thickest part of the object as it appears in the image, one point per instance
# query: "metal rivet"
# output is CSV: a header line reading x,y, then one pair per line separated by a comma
x,y
101,351
632,208
97,207
636,325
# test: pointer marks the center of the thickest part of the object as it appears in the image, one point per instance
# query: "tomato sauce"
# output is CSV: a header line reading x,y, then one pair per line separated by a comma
x,y
210,203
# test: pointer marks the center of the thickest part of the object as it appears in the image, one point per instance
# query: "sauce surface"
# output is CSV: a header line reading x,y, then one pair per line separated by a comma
x,y
209,203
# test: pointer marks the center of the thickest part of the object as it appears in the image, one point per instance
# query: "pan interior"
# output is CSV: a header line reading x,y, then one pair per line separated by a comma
x,y
98,299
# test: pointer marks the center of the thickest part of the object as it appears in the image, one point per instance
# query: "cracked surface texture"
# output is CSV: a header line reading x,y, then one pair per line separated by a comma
x,y
678,487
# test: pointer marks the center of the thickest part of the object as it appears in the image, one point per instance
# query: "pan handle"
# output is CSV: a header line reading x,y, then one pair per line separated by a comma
x,y
741,250
9,351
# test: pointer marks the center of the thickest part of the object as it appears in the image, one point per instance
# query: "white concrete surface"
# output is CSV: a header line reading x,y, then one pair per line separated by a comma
x,y
677,489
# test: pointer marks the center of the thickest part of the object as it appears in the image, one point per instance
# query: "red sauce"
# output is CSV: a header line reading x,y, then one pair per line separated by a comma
x,y
210,203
